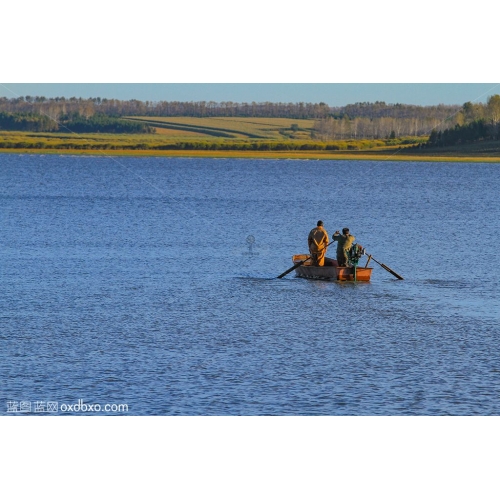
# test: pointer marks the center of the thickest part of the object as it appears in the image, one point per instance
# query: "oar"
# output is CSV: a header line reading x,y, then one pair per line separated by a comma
x,y
386,268
299,264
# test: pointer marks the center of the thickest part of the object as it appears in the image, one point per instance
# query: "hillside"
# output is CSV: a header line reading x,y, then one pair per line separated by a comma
x,y
229,127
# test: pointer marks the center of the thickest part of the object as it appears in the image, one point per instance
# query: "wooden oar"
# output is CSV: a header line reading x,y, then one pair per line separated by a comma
x,y
299,264
386,268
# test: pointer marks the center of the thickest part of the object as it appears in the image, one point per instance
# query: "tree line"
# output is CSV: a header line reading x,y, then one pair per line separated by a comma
x,y
478,130
55,107
74,122
376,128
27,122
475,123
444,123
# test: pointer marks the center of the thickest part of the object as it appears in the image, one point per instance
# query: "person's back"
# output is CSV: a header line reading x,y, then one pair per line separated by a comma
x,y
317,242
345,241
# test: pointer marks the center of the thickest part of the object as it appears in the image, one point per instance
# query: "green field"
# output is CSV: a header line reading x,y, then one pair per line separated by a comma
x,y
57,140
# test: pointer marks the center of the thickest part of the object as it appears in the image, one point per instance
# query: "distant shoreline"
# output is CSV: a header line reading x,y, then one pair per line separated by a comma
x,y
284,155
256,138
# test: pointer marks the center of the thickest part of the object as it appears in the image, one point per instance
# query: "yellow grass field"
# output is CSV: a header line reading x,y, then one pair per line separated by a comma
x,y
179,134
255,128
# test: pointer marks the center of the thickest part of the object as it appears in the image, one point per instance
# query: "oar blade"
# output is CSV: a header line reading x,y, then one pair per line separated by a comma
x,y
387,268
392,272
291,269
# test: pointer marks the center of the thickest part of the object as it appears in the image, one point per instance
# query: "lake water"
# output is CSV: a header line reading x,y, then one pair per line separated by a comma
x,y
129,281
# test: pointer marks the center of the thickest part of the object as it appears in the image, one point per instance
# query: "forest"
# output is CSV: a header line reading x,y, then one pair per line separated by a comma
x,y
377,121
477,123
74,122
479,130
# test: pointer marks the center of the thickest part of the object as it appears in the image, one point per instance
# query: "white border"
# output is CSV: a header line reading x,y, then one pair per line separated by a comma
x,y
249,458
261,41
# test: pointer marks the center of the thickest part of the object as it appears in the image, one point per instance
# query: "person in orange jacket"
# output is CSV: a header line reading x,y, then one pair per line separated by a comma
x,y
317,242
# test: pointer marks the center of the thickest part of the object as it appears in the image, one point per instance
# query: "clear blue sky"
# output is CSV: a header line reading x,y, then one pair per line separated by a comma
x,y
334,94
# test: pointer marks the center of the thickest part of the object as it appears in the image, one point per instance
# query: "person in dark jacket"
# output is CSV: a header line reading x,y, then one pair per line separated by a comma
x,y
345,241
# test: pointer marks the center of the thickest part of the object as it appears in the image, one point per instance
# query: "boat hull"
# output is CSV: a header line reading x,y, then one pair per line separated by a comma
x,y
331,271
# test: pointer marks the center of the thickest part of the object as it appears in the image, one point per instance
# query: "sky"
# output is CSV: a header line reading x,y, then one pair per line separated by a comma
x,y
333,94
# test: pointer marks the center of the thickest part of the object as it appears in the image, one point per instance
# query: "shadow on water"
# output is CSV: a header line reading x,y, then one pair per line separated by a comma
x,y
447,283
303,280
255,278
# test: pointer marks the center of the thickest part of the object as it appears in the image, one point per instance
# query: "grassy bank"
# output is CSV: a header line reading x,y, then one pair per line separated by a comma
x,y
290,155
186,140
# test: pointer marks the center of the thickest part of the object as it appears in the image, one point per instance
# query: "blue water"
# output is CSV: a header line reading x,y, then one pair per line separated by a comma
x,y
130,281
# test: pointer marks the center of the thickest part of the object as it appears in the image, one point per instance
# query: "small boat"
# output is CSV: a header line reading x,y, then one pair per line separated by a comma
x,y
330,271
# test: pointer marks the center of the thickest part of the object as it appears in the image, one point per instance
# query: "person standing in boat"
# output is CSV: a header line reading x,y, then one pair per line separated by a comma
x,y
317,242
345,241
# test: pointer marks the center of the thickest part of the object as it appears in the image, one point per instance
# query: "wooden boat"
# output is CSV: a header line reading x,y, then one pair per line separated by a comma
x,y
330,271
